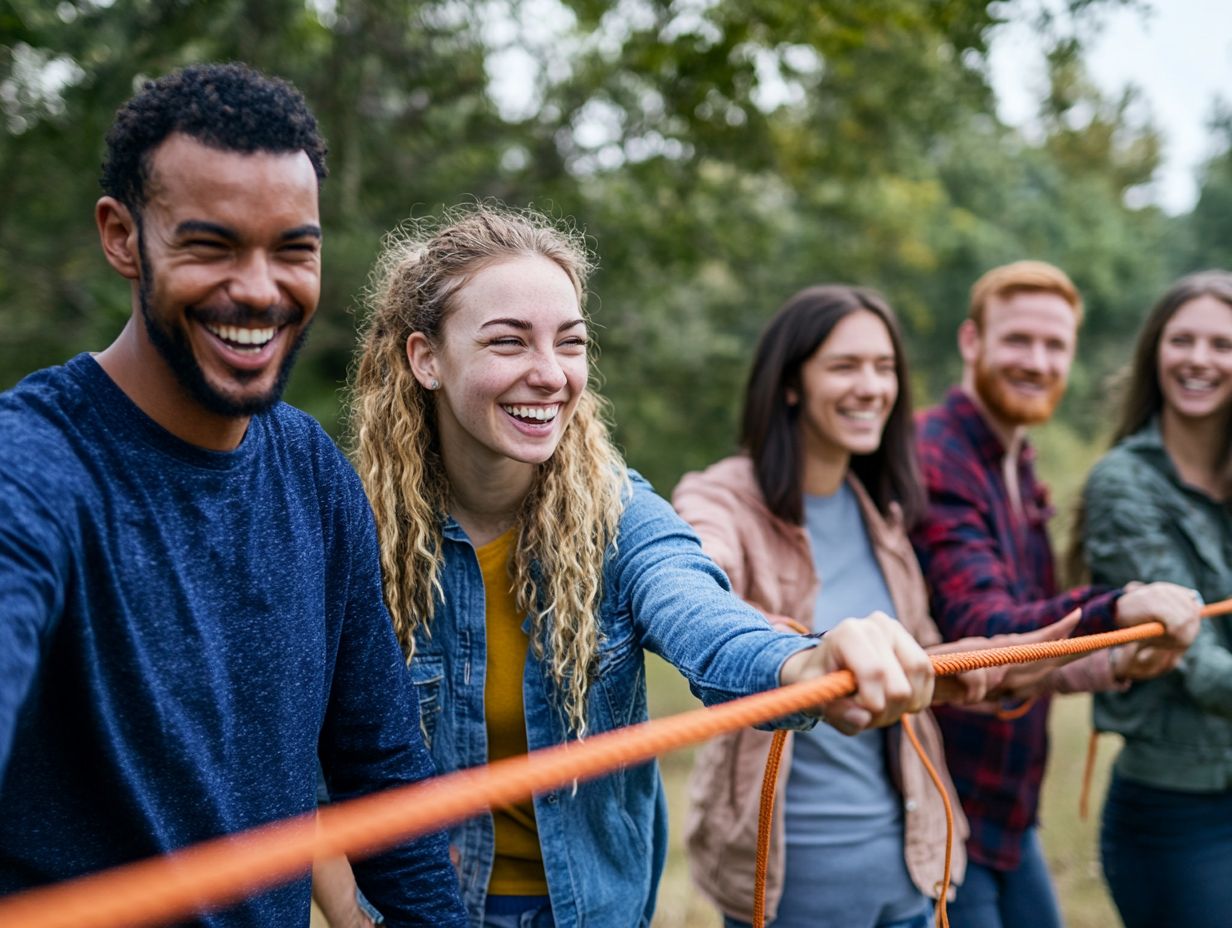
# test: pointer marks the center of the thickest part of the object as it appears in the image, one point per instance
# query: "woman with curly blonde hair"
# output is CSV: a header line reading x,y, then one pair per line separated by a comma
x,y
526,568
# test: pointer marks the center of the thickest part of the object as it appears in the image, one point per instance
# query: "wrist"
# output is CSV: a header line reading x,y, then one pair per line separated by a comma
x,y
795,666
1115,662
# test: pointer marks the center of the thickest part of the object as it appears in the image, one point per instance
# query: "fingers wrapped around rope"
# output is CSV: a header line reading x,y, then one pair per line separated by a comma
x,y
1177,608
893,674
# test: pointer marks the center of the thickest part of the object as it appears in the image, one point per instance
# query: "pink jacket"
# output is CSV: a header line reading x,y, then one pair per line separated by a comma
x,y
770,565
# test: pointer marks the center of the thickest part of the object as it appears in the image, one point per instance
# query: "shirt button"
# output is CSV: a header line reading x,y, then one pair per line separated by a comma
x,y
551,798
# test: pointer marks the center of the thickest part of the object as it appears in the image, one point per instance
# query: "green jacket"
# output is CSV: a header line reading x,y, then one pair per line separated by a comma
x,y
1143,523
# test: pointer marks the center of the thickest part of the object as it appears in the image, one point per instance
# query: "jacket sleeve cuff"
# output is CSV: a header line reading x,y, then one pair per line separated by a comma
x,y
777,654
1099,613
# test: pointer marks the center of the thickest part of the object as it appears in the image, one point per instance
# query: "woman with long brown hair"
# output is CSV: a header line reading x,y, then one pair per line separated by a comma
x,y
810,521
1158,506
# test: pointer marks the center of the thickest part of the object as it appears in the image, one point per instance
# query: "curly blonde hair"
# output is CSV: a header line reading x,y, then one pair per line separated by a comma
x,y
577,494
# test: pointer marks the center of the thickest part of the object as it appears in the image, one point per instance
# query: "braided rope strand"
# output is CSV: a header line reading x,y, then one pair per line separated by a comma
x,y
223,870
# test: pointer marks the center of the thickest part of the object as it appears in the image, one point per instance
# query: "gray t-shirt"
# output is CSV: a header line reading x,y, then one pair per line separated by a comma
x,y
840,802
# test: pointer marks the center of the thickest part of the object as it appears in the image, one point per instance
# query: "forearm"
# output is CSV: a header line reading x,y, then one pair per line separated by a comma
x,y
983,606
334,892
1095,673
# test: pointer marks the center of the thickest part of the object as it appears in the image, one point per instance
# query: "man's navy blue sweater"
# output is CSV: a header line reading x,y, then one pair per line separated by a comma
x,y
181,633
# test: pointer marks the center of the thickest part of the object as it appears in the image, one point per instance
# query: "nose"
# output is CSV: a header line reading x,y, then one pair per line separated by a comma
x,y
869,382
1037,356
1200,353
253,282
546,372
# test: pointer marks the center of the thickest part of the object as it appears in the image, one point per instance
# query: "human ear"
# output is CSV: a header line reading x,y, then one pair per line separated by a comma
x,y
969,342
117,233
422,357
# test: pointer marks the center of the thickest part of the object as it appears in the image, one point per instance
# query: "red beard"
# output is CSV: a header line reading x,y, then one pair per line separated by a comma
x,y
1007,404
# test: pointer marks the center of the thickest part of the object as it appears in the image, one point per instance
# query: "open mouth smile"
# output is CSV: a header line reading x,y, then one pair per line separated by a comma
x,y
1197,384
1028,385
861,415
535,415
241,340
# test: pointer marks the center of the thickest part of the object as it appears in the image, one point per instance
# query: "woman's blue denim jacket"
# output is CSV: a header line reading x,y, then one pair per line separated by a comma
x,y
604,842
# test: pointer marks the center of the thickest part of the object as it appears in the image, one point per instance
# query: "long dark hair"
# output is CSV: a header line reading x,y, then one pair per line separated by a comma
x,y
770,430
1144,398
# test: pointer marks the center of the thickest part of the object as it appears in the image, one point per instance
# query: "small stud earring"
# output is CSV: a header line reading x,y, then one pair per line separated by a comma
x,y
434,385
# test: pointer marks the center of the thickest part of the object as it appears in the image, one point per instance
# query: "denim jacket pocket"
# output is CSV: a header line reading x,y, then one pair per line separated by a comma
x,y
428,673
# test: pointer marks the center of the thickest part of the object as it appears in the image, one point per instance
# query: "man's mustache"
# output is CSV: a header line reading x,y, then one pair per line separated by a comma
x,y
242,314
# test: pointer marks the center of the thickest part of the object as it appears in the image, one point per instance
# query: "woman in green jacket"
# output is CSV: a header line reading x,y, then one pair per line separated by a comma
x,y
1158,506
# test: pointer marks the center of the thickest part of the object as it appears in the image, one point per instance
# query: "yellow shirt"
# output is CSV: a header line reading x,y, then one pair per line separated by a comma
x,y
518,868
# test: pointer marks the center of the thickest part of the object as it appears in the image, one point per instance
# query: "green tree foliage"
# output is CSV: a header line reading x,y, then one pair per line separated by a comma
x,y
1210,226
879,163
722,154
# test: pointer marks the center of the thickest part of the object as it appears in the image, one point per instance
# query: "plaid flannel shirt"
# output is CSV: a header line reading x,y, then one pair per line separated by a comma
x,y
990,572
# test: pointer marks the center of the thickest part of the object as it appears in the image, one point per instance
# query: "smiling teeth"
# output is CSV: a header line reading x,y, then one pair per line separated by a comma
x,y
867,415
1190,383
538,413
251,338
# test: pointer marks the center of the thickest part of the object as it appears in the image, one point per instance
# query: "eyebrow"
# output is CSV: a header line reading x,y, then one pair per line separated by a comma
x,y
189,226
525,326
856,356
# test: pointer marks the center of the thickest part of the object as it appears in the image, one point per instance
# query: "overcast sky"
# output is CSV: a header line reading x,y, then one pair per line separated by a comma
x,y
1179,54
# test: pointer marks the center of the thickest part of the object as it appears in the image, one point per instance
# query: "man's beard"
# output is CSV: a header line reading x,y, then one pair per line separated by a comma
x,y
173,344
1011,407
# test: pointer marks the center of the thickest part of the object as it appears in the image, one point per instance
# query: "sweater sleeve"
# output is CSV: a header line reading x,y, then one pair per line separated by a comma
x,y
34,558
1130,535
371,740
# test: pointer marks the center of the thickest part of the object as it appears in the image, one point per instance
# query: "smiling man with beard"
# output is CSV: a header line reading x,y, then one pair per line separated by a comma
x,y
985,552
191,607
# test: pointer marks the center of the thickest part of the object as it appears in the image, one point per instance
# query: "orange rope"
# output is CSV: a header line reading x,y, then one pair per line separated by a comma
x,y
1088,773
224,870
943,917
765,815
765,821
1016,712
766,818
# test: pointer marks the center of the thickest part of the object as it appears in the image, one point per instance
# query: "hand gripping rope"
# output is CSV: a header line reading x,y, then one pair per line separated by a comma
x,y
221,871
